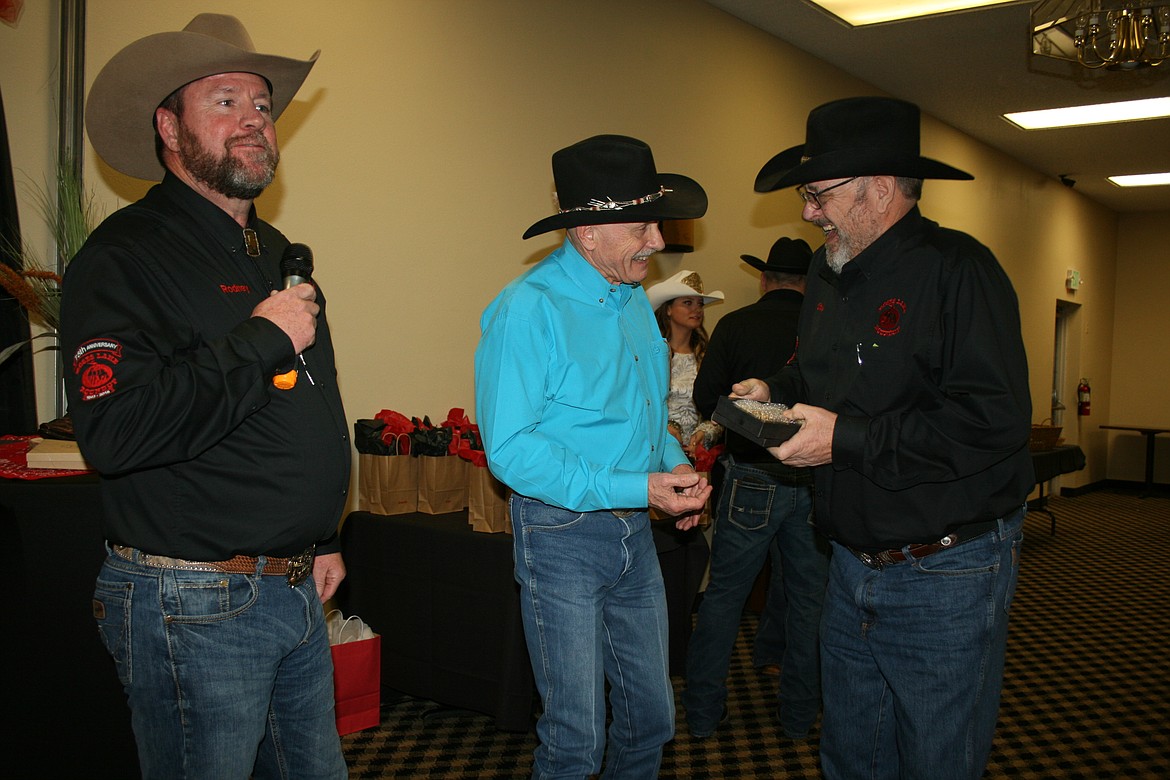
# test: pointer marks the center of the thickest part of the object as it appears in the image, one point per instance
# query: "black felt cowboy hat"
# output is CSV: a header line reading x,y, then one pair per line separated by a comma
x,y
611,178
120,109
861,136
787,256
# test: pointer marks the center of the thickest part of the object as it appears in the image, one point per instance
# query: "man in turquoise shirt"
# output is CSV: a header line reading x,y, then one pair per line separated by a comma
x,y
571,379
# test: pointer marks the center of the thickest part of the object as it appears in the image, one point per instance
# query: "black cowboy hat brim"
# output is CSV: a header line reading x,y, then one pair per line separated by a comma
x,y
786,169
684,200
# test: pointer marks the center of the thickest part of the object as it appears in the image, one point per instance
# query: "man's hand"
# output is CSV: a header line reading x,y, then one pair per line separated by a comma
x,y
752,389
295,312
813,443
328,572
682,493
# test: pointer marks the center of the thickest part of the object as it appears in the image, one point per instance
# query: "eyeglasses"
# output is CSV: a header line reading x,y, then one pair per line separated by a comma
x,y
808,196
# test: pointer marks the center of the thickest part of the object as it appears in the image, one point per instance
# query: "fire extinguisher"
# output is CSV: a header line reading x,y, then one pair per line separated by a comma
x,y
1083,398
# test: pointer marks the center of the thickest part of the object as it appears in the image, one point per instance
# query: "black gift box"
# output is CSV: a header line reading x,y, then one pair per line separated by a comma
x,y
732,416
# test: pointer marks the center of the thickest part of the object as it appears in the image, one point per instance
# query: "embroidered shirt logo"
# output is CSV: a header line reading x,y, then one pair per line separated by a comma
x,y
94,362
890,317
235,288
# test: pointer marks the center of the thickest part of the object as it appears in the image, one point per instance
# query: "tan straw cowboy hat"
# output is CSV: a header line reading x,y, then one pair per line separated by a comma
x,y
120,109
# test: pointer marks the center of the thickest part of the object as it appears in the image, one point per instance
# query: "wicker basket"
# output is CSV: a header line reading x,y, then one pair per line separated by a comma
x,y
1044,437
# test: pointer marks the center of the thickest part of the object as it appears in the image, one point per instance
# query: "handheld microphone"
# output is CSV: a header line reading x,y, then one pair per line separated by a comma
x,y
296,265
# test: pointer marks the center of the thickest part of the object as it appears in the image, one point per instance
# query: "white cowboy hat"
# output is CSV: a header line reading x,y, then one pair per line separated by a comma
x,y
683,284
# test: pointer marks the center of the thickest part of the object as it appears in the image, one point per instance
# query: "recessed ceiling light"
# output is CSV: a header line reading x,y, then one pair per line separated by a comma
x,y
1141,180
862,12
1099,114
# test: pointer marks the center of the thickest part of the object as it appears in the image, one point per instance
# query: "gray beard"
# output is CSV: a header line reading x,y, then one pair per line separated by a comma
x,y
837,258
225,174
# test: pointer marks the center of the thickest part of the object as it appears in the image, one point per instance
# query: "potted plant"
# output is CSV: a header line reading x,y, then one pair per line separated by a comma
x,y
70,216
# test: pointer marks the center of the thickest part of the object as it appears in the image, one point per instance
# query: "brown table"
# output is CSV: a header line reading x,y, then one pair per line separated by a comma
x,y
1149,433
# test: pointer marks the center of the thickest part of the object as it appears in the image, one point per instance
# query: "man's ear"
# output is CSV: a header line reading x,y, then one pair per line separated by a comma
x,y
884,188
167,125
586,236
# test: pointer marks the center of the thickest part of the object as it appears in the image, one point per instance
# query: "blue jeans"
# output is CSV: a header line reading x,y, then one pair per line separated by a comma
x,y
228,676
758,515
912,656
594,609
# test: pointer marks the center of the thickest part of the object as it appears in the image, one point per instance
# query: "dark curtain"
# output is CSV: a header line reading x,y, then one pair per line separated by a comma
x,y
17,391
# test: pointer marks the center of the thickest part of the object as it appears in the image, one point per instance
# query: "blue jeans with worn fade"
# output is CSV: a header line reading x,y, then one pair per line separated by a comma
x,y
912,657
594,610
228,676
758,515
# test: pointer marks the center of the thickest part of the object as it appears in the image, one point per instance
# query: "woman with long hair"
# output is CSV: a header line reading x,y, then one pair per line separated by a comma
x,y
679,304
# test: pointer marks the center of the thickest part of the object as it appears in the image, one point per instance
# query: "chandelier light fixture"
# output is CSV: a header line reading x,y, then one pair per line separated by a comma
x,y
1111,34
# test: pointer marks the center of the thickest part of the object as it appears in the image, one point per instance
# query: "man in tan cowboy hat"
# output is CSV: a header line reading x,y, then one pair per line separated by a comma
x,y
912,385
571,377
222,488
764,511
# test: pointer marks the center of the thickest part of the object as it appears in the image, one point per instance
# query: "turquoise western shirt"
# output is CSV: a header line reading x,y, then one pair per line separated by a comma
x,y
571,379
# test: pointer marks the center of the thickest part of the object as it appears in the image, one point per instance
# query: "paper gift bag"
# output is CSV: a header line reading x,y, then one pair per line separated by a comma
x,y
442,484
487,502
357,673
387,484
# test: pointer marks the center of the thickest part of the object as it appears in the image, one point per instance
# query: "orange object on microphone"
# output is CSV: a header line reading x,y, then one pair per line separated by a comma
x,y
285,381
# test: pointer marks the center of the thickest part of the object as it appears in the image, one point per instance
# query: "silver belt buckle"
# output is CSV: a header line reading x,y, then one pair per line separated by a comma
x,y
300,567
622,514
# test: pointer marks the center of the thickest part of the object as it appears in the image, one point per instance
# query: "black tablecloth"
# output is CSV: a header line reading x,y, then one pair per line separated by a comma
x,y
446,603
67,713
1056,461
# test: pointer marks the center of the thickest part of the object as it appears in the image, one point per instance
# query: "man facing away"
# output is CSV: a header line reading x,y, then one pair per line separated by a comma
x,y
911,383
221,490
571,378
764,509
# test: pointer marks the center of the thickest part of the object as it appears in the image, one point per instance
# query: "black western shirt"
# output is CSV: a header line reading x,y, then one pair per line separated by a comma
x,y
917,347
169,381
755,341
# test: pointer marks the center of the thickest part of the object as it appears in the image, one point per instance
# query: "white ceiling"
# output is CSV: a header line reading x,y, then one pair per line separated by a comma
x,y
969,68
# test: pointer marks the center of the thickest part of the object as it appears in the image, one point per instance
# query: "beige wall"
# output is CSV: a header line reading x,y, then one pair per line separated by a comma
x,y
1141,366
418,152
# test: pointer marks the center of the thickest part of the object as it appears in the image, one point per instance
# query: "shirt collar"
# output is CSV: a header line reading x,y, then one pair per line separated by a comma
x,y
592,285
213,220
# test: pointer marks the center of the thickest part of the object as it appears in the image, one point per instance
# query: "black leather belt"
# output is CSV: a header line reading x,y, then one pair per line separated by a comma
x,y
882,558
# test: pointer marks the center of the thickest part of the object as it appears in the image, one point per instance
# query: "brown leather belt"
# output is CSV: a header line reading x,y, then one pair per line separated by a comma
x,y
296,569
881,558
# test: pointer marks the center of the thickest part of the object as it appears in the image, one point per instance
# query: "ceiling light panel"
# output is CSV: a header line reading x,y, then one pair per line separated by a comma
x,y
1141,180
1098,114
862,12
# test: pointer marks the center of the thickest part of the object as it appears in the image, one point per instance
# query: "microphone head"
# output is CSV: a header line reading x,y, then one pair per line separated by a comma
x,y
297,260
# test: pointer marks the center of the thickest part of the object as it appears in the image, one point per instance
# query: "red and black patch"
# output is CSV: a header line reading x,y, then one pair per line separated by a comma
x,y
890,317
95,362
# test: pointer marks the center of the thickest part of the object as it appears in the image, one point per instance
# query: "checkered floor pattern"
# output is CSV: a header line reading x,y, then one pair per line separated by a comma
x,y
1086,694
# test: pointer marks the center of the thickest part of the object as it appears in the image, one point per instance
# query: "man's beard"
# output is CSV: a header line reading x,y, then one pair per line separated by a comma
x,y
863,229
225,174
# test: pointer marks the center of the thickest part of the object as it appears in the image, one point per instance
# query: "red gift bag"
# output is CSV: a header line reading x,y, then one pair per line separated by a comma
x,y
357,677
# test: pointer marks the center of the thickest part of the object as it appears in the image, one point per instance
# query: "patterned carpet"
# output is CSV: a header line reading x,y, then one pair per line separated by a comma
x,y
1086,695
